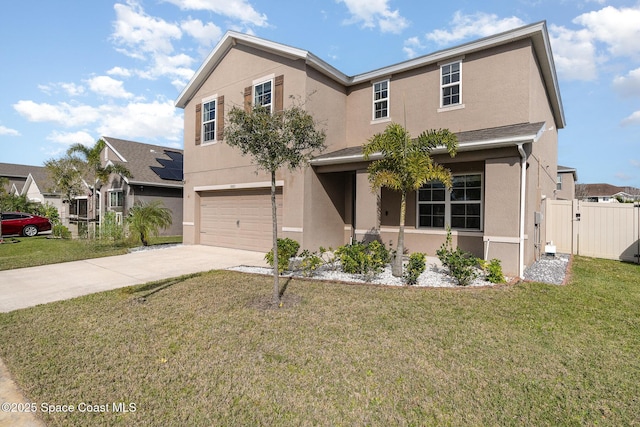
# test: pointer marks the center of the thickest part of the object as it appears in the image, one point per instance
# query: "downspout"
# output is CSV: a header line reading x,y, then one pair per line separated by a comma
x,y
523,188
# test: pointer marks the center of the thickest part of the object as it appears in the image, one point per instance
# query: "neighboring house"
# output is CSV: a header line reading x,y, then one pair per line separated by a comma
x,y
566,183
499,95
35,183
607,193
156,175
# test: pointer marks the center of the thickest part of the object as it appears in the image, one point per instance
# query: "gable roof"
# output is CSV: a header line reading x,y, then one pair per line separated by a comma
x,y
18,176
149,164
537,32
497,137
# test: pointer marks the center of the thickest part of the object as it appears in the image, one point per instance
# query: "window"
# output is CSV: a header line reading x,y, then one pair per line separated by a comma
x,y
116,199
559,182
450,83
461,208
209,120
381,100
262,95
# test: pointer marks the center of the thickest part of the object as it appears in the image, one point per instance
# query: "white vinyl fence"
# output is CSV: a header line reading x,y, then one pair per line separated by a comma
x,y
600,230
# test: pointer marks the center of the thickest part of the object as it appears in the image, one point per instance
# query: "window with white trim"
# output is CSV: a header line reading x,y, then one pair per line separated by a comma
x,y
381,100
116,199
209,120
262,94
460,208
450,84
559,182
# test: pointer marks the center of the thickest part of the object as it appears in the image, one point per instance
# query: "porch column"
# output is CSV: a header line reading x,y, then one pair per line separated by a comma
x,y
367,208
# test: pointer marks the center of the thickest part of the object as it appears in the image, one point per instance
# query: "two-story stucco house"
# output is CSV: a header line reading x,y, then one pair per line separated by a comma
x,y
499,95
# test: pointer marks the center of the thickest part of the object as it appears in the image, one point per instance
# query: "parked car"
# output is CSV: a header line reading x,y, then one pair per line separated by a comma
x,y
24,224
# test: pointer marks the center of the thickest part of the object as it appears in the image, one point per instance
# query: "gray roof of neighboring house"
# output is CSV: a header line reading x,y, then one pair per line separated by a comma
x,y
467,141
149,164
18,174
608,190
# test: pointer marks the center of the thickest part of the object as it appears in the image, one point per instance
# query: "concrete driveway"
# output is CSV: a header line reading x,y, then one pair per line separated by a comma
x,y
27,287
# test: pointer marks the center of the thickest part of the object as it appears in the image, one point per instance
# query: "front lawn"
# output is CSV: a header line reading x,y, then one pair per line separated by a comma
x,y
18,252
205,350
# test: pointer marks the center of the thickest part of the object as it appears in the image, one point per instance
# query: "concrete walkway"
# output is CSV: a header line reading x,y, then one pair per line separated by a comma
x,y
27,287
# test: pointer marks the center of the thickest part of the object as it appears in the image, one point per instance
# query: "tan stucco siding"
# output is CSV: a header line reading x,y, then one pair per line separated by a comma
x,y
495,93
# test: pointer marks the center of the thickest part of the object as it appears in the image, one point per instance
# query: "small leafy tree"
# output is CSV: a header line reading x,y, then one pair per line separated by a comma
x,y
66,176
406,165
92,168
145,219
285,138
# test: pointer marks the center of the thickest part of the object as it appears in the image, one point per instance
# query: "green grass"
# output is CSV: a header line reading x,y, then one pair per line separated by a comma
x,y
207,350
20,252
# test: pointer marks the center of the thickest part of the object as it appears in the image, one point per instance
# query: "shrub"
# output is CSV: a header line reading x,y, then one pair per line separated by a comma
x,y
329,258
494,271
461,264
310,262
361,258
287,248
110,229
61,231
417,265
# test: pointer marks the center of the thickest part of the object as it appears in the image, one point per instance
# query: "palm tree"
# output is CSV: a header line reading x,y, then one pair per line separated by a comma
x,y
145,219
406,165
94,171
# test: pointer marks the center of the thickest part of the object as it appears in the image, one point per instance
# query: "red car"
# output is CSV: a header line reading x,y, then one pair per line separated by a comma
x,y
24,224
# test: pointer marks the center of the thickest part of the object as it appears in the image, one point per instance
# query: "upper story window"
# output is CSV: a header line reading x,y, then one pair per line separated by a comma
x,y
450,83
559,182
262,94
209,120
381,100
461,207
116,199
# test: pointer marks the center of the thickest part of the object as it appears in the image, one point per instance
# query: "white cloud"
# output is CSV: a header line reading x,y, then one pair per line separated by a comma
x,y
240,10
629,85
107,86
70,89
119,71
633,119
375,13
574,53
140,34
8,131
474,25
206,34
64,114
411,47
69,138
157,120
619,29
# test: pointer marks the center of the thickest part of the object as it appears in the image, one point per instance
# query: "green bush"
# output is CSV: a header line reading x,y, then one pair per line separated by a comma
x,y
310,262
287,249
110,229
361,258
494,271
461,264
417,265
61,231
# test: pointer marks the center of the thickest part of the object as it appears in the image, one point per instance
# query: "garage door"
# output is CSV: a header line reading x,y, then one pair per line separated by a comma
x,y
238,218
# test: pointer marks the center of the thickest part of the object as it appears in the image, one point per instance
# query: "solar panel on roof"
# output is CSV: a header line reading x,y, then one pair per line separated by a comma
x,y
172,167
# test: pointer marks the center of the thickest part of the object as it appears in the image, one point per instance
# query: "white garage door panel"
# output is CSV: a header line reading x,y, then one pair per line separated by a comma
x,y
238,219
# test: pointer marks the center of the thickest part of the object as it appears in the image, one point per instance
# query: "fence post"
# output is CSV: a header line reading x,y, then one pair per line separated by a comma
x,y
575,227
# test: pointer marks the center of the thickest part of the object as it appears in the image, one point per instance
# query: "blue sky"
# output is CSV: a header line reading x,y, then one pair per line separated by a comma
x,y
75,70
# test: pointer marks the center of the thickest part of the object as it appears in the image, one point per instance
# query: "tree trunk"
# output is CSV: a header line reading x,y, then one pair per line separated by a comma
x,y
274,220
396,268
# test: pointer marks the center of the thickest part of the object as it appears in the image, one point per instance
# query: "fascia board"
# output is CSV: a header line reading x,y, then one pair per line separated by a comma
x,y
106,141
154,184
